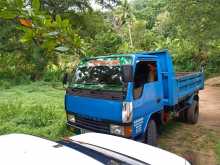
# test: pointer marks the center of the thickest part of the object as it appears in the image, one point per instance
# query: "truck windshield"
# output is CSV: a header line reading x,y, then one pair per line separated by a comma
x,y
100,73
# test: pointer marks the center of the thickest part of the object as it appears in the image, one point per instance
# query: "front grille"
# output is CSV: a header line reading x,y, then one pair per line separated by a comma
x,y
92,125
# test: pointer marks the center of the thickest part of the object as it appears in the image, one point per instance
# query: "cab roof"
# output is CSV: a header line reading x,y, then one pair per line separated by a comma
x,y
135,54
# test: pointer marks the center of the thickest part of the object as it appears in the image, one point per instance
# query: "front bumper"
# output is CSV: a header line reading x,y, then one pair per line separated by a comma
x,y
82,124
95,125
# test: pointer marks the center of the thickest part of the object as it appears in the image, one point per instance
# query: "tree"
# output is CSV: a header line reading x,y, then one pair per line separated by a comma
x,y
197,22
43,37
57,7
105,43
148,10
123,15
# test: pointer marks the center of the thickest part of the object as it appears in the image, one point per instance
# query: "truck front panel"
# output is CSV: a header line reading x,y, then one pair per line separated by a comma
x,y
98,109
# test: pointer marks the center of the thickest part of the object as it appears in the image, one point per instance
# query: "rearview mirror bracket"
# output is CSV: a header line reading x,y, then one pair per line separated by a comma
x,y
127,73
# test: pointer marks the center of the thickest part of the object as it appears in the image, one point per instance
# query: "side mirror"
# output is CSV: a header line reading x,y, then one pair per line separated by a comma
x,y
127,73
65,78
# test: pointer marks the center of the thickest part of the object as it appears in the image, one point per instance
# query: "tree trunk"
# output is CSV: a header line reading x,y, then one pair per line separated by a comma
x,y
40,62
130,36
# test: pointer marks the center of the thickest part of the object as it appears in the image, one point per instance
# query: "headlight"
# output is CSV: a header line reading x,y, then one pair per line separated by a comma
x,y
127,112
121,130
117,129
71,118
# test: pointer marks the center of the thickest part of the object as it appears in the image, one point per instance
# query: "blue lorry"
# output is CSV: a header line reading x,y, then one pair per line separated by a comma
x,y
131,95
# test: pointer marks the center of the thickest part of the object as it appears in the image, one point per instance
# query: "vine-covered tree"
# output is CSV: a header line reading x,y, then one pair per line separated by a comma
x,y
123,16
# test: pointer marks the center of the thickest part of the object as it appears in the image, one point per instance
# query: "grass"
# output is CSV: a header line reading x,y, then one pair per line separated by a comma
x,y
218,151
36,109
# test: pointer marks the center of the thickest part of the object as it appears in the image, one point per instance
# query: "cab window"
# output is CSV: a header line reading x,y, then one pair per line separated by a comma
x,y
145,72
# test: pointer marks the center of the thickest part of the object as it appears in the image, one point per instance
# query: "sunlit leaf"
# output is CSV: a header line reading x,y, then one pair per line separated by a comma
x,y
36,5
8,14
53,33
20,3
65,23
58,20
62,48
28,36
47,22
49,45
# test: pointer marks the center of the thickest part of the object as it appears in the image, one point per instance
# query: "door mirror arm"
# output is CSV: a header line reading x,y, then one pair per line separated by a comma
x,y
65,79
127,73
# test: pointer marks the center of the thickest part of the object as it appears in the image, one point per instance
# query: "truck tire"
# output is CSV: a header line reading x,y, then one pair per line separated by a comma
x,y
193,113
182,116
151,133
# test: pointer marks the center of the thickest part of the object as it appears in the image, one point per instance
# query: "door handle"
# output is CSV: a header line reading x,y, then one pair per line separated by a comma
x,y
158,100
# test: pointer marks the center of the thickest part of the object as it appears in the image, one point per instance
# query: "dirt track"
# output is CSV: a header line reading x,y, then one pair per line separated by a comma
x,y
209,118
209,122
210,108
197,142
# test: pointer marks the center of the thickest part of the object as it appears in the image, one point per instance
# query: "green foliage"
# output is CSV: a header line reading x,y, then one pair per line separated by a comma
x,y
105,43
123,18
199,30
5,84
89,23
44,38
188,29
70,6
53,73
148,10
36,5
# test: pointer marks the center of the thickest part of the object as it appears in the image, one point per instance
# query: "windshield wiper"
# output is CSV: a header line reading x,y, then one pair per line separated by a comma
x,y
113,85
88,84
83,83
95,90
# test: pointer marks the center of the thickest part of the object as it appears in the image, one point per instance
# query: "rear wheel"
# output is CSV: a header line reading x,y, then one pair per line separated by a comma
x,y
193,113
151,134
182,116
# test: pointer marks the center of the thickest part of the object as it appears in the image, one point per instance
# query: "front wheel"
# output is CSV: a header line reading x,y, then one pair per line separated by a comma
x,y
151,134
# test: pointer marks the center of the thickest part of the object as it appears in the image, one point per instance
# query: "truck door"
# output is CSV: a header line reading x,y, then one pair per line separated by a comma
x,y
147,91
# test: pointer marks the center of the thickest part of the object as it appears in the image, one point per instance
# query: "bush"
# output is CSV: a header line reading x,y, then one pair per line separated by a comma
x,y
4,84
53,73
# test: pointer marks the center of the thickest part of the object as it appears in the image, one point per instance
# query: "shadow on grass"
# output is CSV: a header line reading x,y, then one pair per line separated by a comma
x,y
171,126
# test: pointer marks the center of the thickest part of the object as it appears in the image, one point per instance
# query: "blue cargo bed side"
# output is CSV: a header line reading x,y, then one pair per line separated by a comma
x,y
188,83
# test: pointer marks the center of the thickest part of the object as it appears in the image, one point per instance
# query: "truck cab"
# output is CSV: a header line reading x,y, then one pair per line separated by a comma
x,y
128,95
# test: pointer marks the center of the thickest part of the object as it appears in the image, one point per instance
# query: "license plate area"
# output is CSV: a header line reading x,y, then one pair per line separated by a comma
x,y
82,131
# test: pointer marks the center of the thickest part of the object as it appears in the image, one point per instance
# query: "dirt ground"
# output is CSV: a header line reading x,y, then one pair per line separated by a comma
x,y
210,117
210,107
197,142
